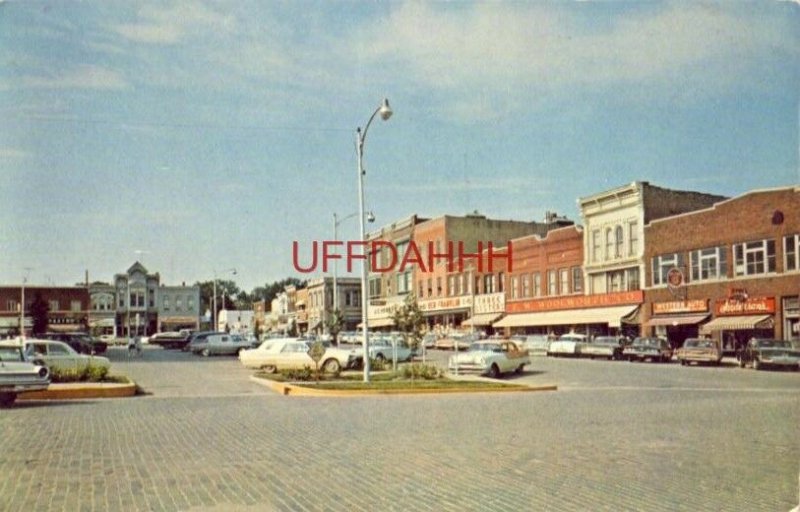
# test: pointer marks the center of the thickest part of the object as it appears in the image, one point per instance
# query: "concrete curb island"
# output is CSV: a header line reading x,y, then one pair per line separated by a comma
x,y
294,389
79,390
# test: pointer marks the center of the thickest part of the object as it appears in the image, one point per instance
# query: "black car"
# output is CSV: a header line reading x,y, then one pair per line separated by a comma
x,y
170,339
763,352
79,341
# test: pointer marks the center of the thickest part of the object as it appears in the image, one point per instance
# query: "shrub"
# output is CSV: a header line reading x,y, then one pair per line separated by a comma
x,y
421,371
88,374
377,364
299,375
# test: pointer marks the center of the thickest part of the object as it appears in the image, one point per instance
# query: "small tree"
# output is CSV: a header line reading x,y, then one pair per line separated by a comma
x,y
334,324
409,320
39,310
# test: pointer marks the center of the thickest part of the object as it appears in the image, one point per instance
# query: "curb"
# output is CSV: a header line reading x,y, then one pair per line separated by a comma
x,y
288,389
72,391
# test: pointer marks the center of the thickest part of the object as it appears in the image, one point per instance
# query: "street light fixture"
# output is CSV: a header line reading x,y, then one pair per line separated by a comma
x,y
336,222
232,271
385,112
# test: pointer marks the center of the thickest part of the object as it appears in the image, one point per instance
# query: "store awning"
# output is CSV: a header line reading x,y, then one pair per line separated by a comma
x,y
735,323
482,320
380,322
611,316
677,319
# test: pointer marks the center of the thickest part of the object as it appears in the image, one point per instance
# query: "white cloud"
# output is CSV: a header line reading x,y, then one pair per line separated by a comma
x,y
170,24
81,77
13,154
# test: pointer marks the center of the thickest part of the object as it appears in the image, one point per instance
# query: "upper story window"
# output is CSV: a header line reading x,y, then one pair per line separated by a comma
x,y
165,303
404,282
633,238
663,264
514,287
75,306
53,305
451,286
501,282
577,280
552,283
609,243
709,264
791,252
537,284
564,280
488,283
752,258
596,245
618,238
526,285
12,305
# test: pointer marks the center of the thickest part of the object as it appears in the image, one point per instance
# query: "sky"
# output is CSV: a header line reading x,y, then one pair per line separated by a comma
x,y
197,137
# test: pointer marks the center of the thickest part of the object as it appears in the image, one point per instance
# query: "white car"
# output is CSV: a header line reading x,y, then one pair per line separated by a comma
x,y
490,358
18,375
292,354
223,344
385,349
57,354
567,345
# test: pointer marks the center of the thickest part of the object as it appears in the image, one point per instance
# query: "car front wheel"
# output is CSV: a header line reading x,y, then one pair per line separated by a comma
x,y
756,364
205,352
332,366
494,371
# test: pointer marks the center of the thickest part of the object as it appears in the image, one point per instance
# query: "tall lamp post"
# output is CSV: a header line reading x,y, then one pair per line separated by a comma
x,y
336,222
22,307
215,326
385,112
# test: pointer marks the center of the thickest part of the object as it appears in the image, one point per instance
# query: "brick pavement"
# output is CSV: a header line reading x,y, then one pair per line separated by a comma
x,y
618,436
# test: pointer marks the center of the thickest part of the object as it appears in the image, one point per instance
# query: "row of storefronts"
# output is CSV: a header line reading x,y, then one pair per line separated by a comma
x,y
647,261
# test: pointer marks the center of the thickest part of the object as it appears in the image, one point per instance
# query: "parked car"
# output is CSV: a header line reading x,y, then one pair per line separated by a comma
x,y
765,352
291,353
170,339
80,342
652,348
197,339
384,349
221,344
429,341
491,358
537,344
699,350
456,341
610,347
18,374
567,345
57,354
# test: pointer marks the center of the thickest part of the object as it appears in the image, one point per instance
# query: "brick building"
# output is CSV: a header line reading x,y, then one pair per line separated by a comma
x,y
68,308
731,271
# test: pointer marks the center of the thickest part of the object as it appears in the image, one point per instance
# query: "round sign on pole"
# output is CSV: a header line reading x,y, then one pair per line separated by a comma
x,y
675,278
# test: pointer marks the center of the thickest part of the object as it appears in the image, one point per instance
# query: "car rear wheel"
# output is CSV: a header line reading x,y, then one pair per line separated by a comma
x,y
756,364
269,368
332,366
494,371
205,352
519,369
380,358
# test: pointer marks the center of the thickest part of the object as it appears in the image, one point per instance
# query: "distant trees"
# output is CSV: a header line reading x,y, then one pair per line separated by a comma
x,y
39,310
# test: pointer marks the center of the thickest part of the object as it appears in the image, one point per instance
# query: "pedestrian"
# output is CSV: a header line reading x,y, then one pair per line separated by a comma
x,y
134,346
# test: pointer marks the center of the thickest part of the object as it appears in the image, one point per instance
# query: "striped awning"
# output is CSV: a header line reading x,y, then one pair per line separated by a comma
x,y
677,319
737,323
482,320
610,315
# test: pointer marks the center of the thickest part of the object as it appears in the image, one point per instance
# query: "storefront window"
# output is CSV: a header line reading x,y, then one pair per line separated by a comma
x,y
754,258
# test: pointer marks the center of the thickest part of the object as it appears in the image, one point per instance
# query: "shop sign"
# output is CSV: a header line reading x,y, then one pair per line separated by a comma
x,y
576,302
753,305
444,304
384,308
490,303
680,306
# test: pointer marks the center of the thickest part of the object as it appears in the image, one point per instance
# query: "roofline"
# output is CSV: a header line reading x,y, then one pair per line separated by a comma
x,y
795,188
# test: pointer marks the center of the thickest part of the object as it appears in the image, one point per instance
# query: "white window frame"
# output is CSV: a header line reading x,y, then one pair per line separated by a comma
x,y
633,238
791,253
756,253
701,261
662,264
563,281
577,280
552,283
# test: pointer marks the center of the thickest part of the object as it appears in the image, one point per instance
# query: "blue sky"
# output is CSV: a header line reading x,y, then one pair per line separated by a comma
x,y
200,136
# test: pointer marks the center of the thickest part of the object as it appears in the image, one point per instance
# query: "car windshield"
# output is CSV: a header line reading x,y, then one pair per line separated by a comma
x,y
11,354
646,341
605,339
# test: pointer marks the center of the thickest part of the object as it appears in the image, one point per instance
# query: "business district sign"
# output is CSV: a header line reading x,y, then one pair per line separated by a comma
x,y
753,305
576,302
680,306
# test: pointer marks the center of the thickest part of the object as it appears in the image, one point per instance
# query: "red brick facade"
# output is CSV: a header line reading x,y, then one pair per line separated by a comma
x,y
757,227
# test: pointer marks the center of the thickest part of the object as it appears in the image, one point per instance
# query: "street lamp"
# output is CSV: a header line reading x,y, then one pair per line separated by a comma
x,y
386,112
336,222
232,271
22,306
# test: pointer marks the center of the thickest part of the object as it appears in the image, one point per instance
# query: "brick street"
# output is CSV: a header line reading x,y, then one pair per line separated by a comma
x,y
616,436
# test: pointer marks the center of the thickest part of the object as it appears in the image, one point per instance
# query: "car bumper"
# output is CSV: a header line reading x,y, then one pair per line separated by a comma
x,y
468,368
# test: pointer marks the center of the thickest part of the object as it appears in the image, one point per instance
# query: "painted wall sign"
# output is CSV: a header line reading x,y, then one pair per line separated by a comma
x,y
753,305
576,302
680,306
